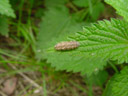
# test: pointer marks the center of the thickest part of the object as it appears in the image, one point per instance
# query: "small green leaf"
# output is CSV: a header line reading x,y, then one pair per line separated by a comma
x,y
108,88
5,8
118,85
98,78
3,26
81,3
98,8
121,7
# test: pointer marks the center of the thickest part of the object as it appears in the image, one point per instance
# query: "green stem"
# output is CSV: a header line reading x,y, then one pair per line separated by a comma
x,y
44,87
30,11
113,66
90,90
72,6
20,14
90,6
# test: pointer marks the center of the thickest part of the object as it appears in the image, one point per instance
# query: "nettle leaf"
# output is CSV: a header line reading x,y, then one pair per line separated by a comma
x,y
99,43
5,8
71,61
3,26
121,6
118,85
107,39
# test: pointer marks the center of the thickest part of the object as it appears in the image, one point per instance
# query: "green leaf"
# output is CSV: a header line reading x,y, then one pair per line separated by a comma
x,y
81,3
98,8
5,8
99,43
118,85
3,26
71,61
107,39
53,28
121,7
108,89
98,78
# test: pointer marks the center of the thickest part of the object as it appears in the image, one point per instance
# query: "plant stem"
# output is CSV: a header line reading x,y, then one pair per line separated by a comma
x,y
20,14
90,90
90,6
72,6
113,66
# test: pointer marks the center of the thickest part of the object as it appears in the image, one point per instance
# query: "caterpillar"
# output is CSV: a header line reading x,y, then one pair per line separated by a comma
x,y
67,45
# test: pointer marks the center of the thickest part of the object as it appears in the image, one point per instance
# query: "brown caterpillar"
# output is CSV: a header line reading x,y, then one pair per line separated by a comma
x,y
67,45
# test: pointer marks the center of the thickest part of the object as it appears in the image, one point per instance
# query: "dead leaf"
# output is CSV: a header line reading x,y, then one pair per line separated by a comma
x,y
10,85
